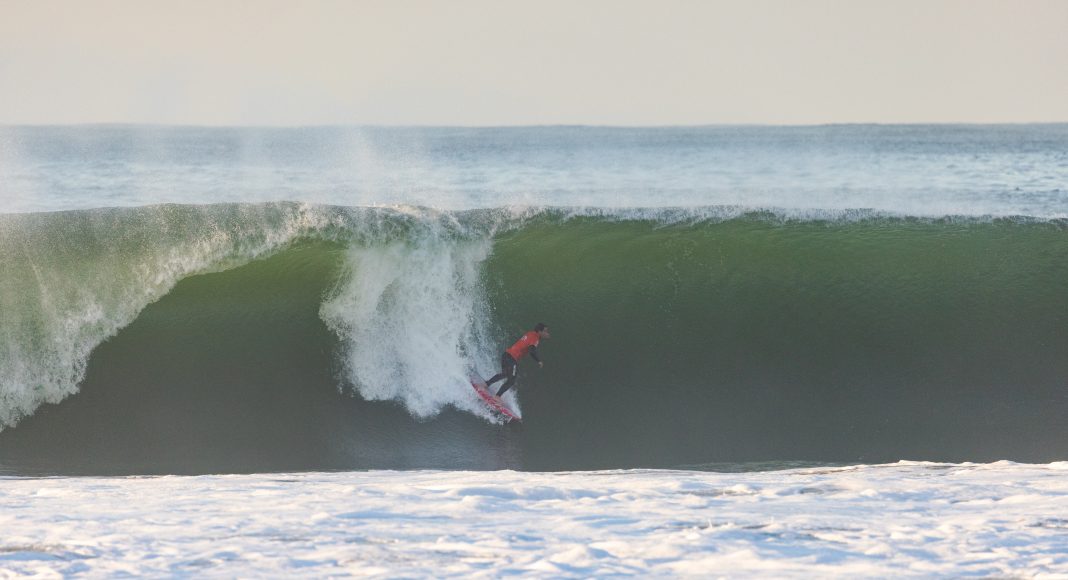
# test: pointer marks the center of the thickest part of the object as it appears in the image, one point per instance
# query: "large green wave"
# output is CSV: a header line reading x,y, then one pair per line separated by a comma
x,y
679,338
754,339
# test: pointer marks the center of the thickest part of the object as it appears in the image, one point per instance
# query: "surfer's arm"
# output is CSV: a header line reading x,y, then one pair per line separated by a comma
x,y
534,354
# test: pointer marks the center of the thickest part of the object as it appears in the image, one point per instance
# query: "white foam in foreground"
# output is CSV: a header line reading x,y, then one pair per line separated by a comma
x,y
908,519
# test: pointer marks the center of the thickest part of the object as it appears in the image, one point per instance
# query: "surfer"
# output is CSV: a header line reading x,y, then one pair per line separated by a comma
x,y
528,343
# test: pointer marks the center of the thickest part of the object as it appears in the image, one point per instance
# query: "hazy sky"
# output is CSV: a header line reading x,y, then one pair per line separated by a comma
x,y
499,62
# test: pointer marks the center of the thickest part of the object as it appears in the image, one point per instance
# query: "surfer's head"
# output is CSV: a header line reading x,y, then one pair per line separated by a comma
x,y
542,330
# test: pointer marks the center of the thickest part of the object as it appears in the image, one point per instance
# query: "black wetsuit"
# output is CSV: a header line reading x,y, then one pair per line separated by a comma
x,y
509,368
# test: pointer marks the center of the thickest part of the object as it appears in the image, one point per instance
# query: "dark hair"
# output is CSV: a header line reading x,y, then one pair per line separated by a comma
x,y
540,327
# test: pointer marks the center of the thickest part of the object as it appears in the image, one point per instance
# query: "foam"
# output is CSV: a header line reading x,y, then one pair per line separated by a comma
x,y
412,318
868,521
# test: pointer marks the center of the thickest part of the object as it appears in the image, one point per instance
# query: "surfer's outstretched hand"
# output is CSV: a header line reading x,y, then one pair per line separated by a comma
x,y
540,364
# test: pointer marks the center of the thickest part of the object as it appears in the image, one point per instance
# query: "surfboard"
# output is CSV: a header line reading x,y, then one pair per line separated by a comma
x,y
493,401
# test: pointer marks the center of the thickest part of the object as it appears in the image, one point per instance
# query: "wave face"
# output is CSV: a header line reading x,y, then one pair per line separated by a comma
x,y
250,337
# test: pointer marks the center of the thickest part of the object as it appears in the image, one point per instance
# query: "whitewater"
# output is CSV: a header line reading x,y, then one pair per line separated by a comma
x,y
911,520
777,351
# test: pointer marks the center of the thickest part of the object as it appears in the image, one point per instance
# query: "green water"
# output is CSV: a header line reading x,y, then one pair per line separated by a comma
x,y
747,340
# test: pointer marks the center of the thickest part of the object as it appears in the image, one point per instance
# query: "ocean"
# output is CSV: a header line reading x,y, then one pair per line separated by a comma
x,y
883,308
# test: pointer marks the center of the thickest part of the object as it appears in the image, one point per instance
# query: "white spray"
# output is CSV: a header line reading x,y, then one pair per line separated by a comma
x,y
413,319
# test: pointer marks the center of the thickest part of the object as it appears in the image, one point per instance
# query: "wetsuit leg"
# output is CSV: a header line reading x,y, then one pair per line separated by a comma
x,y
510,368
507,369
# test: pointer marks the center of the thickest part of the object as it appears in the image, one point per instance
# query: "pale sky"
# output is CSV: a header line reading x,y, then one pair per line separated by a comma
x,y
501,62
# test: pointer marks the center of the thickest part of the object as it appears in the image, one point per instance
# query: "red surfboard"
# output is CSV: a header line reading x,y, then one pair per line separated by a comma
x,y
494,402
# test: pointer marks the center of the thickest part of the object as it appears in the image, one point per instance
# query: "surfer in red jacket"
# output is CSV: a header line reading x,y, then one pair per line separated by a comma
x,y
528,343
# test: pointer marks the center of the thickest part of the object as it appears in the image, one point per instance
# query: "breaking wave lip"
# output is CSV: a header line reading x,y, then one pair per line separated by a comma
x,y
78,277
